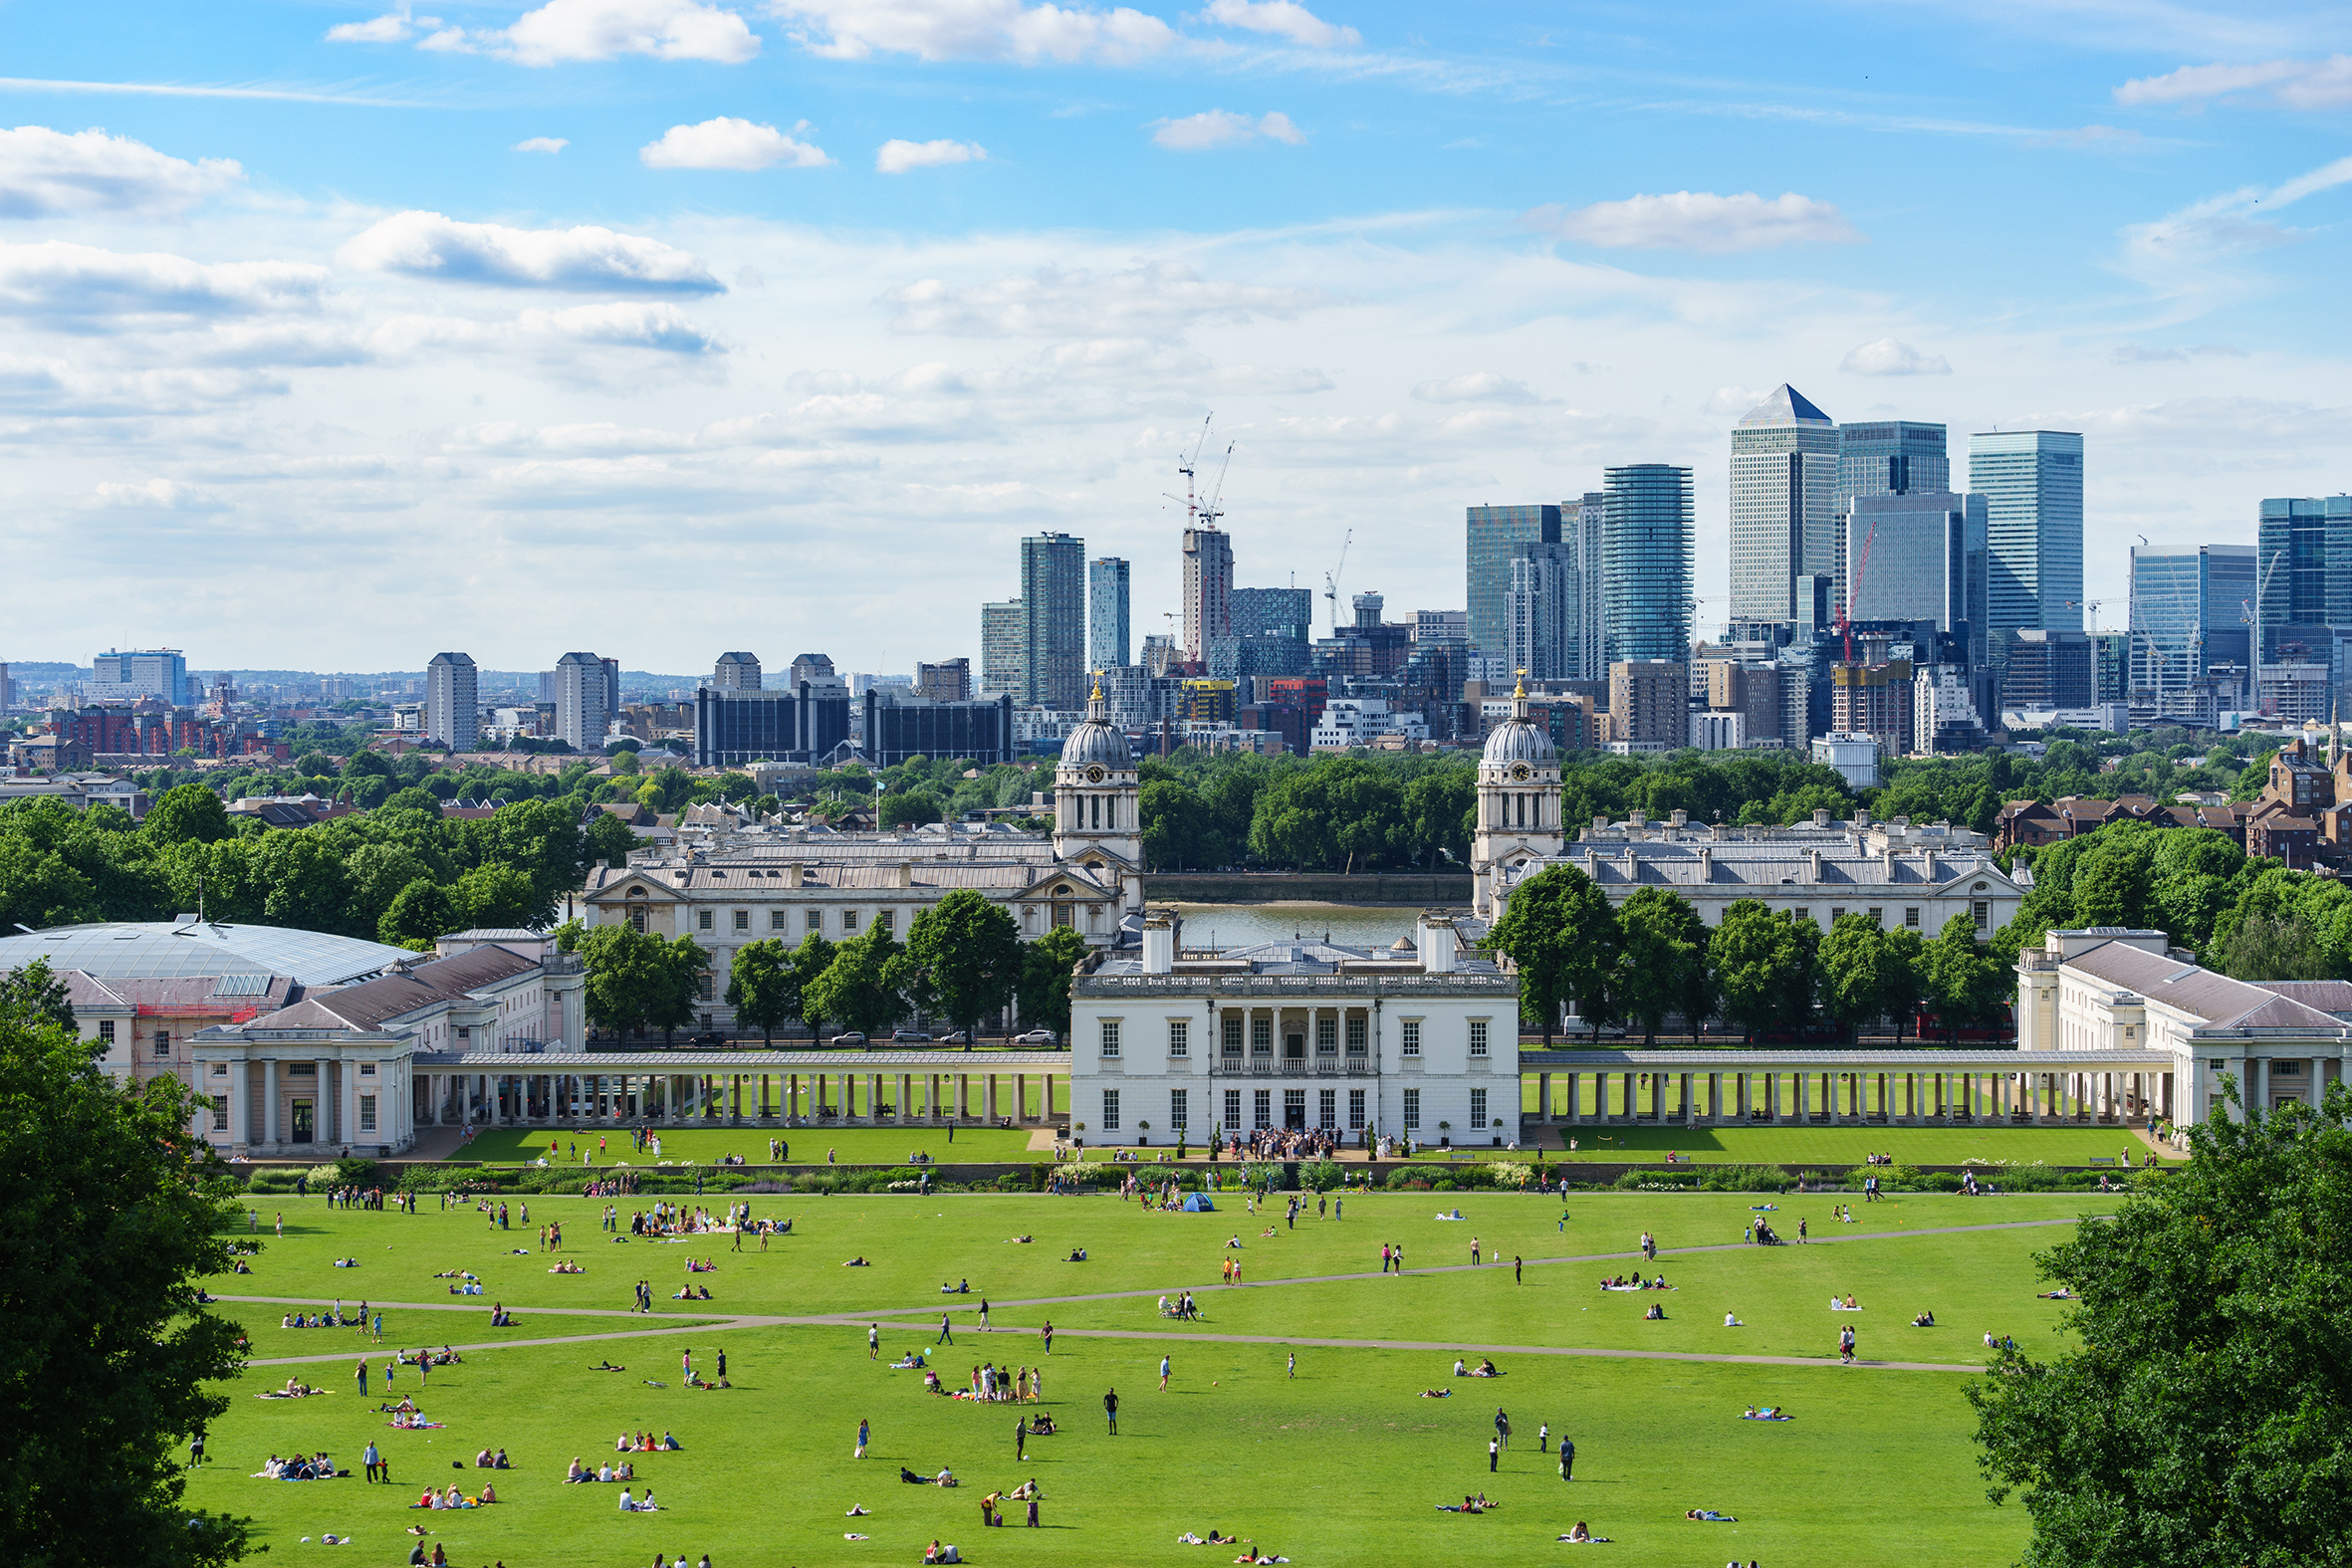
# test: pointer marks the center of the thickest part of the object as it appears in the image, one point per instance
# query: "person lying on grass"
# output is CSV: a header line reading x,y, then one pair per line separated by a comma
x,y
1709,1517
1437,1392
1582,1534
1768,1413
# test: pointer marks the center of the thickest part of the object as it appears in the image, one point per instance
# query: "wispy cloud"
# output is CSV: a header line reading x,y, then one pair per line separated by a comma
x,y
1888,356
1004,30
192,90
428,245
1475,386
1284,18
548,145
1215,129
897,157
1699,221
2297,83
564,31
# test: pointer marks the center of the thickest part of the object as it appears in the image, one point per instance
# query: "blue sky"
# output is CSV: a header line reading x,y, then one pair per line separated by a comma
x,y
340,335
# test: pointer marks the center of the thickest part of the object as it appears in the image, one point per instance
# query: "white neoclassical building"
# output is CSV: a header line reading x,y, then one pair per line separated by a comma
x,y
1419,1039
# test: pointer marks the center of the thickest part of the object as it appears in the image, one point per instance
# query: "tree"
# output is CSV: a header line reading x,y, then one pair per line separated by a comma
x,y
607,840
811,959
2263,948
1439,808
1562,936
112,1219
34,993
964,958
1853,972
760,986
419,913
187,814
1904,974
906,810
1664,951
1046,965
1762,967
2201,1414
684,962
496,896
860,987
1962,980
637,979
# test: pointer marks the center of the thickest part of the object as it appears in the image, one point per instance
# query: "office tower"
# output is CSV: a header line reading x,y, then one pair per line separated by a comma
x,y
1492,532
2049,669
1753,691
1547,591
1581,524
2031,482
2111,658
1270,632
899,725
155,672
1890,457
736,672
950,680
1003,637
1783,505
1919,556
582,712
1054,622
7,690
611,687
1368,607
452,702
1646,547
2187,613
1108,639
2303,572
1207,590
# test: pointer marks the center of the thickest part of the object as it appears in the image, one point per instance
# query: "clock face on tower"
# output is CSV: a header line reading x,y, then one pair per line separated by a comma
x,y
1095,773
1518,771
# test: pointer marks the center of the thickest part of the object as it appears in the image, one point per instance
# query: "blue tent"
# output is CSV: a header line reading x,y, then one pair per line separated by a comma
x,y
1198,1203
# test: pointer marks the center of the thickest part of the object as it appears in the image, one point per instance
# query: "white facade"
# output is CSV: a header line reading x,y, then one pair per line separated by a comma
x,y
1417,1041
1855,756
1717,731
452,705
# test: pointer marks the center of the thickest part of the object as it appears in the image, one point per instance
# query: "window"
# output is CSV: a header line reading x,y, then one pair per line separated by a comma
x,y
1179,1044
816,919
743,920
1326,1035
366,1113
1177,1113
637,917
705,919
1111,1110
1981,911
221,1069
1233,1110
1837,914
162,1042
1355,1110
1478,1037
1911,917
106,1031
1293,1107
1262,1104
1328,1108
848,921
1878,917
1413,1110
220,1113
780,920
1801,914
1110,1036
367,1069
1478,1107
302,1069
1409,1033
886,920
702,986
1355,1034
1261,1036
1233,1034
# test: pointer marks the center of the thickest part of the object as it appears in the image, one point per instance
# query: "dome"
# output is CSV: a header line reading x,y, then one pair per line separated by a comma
x,y
1517,740
1096,742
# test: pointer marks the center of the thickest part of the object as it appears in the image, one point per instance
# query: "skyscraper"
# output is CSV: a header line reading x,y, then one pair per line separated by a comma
x,y
2031,482
452,704
2303,572
736,672
1207,590
1547,591
1783,505
1108,639
1919,556
1647,530
1890,457
1054,622
583,714
2187,613
1003,640
1492,532
1581,524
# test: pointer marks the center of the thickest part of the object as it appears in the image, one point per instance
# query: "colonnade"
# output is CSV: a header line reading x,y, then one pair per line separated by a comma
x,y
737,1099
1815,1093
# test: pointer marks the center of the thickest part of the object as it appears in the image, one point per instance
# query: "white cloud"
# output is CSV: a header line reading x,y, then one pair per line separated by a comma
x,y
1732,400
1699,221
44,172
1216,129
76,286
393,27
620,325
1886,356
2297,83
729,144
2183,254
158,494
896,156
562,31
1157,300
2139,353
428,245
1284,18
549,144
1475,386
976,30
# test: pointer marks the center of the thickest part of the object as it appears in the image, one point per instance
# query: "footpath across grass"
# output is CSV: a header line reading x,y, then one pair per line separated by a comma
x,y
1343,1464
708,1146
1832,1145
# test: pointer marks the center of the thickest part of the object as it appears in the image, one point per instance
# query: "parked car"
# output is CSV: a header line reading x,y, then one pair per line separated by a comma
x,y
910,1037
714,1037
851,1037
959,1038
1038,1037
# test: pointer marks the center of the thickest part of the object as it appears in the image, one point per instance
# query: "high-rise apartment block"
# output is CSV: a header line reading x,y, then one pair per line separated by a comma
x,y
452,702
1435,626
1207,590
1649,702
2188,611
1647,543
1890,457
1108,638
128,677
1784,478
1541,608
736,672
1004,643
950,680
584,709
1493,533
2031,482
1582,523
1054,617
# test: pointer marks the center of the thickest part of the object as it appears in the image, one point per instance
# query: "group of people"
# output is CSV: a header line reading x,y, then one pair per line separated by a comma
x,y
1183,1308
607,1473
993,1384
312,1466
1284,1143
1620,1282
452,1497
631,1442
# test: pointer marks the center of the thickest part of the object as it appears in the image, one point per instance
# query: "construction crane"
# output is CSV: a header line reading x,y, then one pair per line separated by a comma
x,y
1331,580
1214,507
2091,606
1189,465
1845,627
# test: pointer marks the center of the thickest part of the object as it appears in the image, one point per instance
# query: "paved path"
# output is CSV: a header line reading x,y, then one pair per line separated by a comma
x,y
719,1322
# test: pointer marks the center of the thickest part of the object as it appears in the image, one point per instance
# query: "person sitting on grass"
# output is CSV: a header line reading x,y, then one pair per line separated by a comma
x,y
1923,1320
1731,1320
1581,1533
1655,1314
669,1444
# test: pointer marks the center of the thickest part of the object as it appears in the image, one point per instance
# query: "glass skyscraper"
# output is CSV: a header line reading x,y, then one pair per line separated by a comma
x,y
1581,524
1890,457
1492,532
1054,622
1648,524
2188,614
2303,569
1544,597
1920,557
1784,525
2031,482
1107,641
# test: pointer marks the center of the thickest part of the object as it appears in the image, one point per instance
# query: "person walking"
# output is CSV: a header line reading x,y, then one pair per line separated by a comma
x,y
1800,1231
863,1432
1020,1439
362,1377
1294,1366
686,1368
1047,1333
1543,1437
1163,1374
1110,1410
1568,1458
197,1452
873,1341
370,1459
1494,1454
1518,1269
1502,1427
984,1314
947,1333
1473,1252
722,1367
1384,1257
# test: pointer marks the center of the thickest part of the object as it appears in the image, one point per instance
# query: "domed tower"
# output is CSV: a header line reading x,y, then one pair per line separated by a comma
x,y
1096,793
1518,801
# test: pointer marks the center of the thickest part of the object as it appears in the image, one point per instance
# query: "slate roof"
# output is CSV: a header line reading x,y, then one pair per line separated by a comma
x,y
372,1004
2221,1002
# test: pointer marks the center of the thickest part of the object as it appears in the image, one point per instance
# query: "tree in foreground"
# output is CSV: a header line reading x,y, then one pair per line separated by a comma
x,y
111,1223
2205,1418
964,955
1965,981
1854,964
761,988
1562,938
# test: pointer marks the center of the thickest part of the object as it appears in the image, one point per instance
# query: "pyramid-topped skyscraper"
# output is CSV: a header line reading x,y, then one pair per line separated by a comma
x,y
1784,514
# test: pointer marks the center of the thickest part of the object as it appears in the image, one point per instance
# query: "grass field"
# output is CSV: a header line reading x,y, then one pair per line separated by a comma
x,y
807,1145
1343,1464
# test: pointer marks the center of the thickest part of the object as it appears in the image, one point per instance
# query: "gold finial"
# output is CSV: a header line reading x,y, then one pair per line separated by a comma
x,y
1521,692
1097,697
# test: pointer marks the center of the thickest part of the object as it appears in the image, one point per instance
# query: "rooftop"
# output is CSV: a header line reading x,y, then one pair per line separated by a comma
x,y
137,950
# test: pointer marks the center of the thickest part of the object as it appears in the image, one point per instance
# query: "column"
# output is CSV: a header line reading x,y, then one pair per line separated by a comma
x,y
1020,1096
268,1100
1715,1096
963,1095
873,1096
906,1098
988,1093
236,1097
321,1104
1046,1089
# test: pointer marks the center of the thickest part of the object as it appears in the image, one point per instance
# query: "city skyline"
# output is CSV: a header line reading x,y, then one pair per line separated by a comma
x,y
511,304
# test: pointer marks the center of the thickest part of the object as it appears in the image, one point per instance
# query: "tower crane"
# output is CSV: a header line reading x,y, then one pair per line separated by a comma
x,y
1846,626
2091,606
1331,580
1188,463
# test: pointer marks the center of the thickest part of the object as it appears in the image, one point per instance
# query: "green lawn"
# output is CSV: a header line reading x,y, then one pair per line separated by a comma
x,y
807,1145
1830,1145
1341,1466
